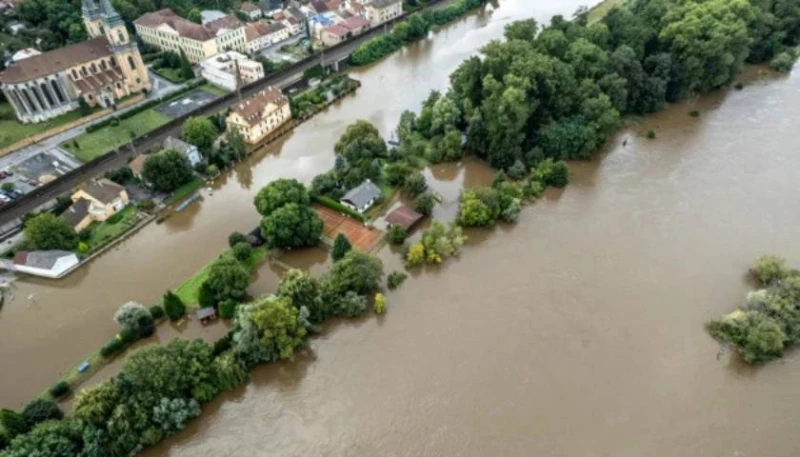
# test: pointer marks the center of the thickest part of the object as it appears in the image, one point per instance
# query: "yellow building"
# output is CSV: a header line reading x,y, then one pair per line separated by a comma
x,y
259,115
96,201
380,11
167,31
100,70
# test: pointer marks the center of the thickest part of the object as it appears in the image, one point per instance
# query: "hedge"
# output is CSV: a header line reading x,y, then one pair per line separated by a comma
x,y
144,106
157,312
114,346
59,389
336,206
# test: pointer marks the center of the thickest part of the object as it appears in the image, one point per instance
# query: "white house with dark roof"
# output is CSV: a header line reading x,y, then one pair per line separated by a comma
x,y
250,10
188,150
47,264
361,198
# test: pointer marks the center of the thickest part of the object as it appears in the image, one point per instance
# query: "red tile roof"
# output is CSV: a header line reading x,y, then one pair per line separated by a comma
x,y
56,60
404,217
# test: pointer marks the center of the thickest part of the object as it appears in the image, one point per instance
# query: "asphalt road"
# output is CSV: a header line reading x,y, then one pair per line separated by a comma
x,y
151,141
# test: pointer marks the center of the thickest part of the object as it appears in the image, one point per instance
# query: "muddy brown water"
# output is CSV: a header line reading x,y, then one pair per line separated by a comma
x,y
576,332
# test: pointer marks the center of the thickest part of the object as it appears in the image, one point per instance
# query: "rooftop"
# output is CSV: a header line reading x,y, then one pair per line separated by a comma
x,y
355,22
187,28
252,108
104,190
381,4
404,217
338,30
56,60
77,212
363,194
40,259
249,7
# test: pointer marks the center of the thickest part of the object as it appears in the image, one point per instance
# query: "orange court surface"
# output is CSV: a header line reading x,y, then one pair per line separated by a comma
x,y
360,236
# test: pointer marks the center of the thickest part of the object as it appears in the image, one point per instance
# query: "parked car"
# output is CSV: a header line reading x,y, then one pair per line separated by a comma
x,y
2,175
15,194
4,198
9,173
33,182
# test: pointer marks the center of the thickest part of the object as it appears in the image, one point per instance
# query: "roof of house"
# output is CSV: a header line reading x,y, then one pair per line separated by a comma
x,y
252,108
104,190
204,313
355,22
381,4
173,143
261,29
404,217
333,4
137,165
224,23
294,12
248,7
319,6
77,212
40,259
187,28
337,30
56,60
363,194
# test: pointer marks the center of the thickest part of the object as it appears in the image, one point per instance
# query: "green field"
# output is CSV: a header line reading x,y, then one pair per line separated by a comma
x,y
599,12
95,144
12,131
172,74
213,90
189,290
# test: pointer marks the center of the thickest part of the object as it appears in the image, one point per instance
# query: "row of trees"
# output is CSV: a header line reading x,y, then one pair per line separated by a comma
x,y
770,321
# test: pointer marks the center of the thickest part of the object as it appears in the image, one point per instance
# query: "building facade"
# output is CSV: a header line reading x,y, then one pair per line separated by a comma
x,y
380,11
260,35
167,31
99,71
230,70
259,115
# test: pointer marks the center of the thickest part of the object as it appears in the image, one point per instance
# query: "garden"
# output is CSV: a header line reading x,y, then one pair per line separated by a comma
x,y
310,100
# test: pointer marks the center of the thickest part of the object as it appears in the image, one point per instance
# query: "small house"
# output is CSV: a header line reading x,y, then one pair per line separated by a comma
x,y
206,315
47,264
250,10
188,150
96,201
361,198
404,217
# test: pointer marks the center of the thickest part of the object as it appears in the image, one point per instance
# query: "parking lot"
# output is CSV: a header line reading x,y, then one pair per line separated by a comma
x,y
41,168
189,102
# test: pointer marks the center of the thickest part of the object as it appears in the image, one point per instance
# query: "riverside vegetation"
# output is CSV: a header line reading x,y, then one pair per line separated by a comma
x,y
770,321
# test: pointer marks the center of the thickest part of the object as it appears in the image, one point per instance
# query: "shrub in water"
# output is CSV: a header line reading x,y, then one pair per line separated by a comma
x,y
157,312
227,309
395,279
114,346
59,389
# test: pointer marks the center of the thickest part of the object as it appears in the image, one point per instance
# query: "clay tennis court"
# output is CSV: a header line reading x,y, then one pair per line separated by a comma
x,y
361,237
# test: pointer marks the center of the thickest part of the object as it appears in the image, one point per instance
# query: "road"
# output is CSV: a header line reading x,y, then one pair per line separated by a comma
x,y
154,139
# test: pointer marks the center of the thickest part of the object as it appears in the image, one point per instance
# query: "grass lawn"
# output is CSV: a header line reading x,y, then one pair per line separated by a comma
x,y
103,232
12,131
97,143
599,12
213,90
172,74
185,190
189,290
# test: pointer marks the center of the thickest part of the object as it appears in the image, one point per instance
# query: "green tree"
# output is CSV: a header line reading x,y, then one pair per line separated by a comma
x,y
769,268
380,304
12,424
231,373
167,170
357,272
291,226
415,184
242,251
424,203
133,315
341,246
396,234
94,405
522,30
172,414
236,238
194,16
227,280
304,291
46,231
200,131
173,306
40,410
186,68
267,330
279,193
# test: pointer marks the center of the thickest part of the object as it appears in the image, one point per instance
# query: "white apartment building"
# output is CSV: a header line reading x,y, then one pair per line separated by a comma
x,y
380,11
221,70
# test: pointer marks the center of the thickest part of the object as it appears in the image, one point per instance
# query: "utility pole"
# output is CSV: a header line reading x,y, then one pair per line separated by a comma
x,y
238,79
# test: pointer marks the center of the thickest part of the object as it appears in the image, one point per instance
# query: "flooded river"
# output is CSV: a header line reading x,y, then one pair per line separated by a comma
x,y
576,332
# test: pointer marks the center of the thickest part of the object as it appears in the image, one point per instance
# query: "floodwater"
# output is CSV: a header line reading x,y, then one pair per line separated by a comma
x,y
576,332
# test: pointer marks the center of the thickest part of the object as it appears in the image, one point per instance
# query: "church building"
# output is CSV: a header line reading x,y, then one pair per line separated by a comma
x,y
100,70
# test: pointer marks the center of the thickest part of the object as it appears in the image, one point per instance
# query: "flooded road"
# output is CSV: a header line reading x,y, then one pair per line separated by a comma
x,y
576,332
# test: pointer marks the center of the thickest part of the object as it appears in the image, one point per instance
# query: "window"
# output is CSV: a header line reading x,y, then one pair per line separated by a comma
x,y
74,74
131,63
46,93
120,37
39,98
83,71
57,91
103,65
94,68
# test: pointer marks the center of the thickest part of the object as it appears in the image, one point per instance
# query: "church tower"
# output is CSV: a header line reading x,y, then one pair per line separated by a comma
x,y
103,20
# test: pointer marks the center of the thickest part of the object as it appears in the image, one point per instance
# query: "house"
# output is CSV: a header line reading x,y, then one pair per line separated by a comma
x,y
206,315
259,115
188,150
337,33
404,217
167,31
380,11
361,198
230,70
48,264
250,10
356,24
97,201
98,71
261,34
295,27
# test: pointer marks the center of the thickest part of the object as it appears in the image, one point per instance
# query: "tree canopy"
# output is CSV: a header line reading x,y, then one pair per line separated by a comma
x,y
279,193
167,170
46,231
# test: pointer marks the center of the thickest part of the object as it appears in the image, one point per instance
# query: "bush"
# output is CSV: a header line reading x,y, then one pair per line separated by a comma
x,y
115,218
83,248
227,309
236,238
242,251
146,205
424,204
129,335
395,279
112,347
783,62
396,235
40,410
157,312
380,304
132,315
651,134
174,307
59,389
415,184
769,268
223,344
694,113
341,246
518,170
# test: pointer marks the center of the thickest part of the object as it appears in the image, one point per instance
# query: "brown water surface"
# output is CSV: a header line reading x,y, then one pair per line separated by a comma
x,y
576,332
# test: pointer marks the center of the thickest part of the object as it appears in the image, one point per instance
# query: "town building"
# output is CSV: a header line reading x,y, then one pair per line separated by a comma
x,y
98,71
260,35
380,11
48,264
361,198
167,31
231,70
96,201
251,10
350,27
259,115
189,151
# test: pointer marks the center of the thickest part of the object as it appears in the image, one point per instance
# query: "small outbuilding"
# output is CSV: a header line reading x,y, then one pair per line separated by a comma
x,y
404,217
47,264
361,198
206,315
